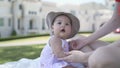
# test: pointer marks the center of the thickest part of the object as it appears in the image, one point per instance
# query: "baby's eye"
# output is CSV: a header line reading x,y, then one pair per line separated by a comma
x,y
59,22
67,24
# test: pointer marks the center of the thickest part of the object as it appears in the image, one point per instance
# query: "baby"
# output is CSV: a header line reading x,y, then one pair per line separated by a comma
x,y
62,26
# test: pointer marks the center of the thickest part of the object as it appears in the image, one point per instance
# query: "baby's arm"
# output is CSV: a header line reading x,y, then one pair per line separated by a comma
x,y
56,45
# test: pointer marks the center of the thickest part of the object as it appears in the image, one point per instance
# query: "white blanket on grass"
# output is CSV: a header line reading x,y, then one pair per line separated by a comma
x,y
22,63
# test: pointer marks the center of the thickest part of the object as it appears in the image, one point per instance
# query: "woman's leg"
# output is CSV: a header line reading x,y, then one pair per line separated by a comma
x,y
105,57
98,44
93,46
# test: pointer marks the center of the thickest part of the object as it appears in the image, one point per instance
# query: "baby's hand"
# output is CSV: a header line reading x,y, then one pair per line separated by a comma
x,y
73,44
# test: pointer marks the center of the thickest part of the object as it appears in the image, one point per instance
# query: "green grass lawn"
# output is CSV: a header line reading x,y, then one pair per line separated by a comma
x,y
15,53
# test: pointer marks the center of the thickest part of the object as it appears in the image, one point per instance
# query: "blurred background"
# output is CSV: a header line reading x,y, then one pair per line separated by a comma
x,y
28,17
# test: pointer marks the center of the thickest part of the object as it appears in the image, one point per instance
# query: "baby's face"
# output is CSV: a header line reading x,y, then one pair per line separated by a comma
x,y
62,27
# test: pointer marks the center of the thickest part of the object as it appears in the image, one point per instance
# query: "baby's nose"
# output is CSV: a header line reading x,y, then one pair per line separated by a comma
x,y
63,25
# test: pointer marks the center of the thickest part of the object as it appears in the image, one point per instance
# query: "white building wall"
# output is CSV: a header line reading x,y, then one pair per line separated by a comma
x,y
86,18
92,17
31,14
5,14
110,4
46,8
25,11
103,18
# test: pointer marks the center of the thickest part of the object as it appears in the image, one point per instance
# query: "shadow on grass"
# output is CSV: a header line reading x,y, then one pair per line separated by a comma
x,y
15,53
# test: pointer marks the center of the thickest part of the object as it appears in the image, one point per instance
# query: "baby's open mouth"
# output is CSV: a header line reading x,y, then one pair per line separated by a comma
x,y
63,30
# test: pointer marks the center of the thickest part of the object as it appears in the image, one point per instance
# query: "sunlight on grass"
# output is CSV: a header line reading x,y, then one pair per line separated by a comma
x,y
27,39
107,38
110,39
15,53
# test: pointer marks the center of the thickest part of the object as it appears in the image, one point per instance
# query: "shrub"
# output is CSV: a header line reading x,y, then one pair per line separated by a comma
x,y
13,33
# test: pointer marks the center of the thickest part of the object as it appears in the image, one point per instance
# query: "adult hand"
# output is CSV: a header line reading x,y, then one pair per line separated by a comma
x,y
74,56
78,43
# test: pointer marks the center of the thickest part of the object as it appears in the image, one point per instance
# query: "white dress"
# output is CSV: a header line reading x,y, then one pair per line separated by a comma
x,y
49,60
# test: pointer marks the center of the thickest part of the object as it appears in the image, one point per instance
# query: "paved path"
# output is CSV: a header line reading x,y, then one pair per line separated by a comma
x,y
31,42
23,43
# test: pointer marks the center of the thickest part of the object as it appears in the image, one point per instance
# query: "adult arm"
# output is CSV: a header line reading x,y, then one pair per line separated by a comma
x,y
111,25
76,56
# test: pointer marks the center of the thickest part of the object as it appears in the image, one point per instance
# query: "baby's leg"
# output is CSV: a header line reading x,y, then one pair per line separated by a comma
x,y
98,44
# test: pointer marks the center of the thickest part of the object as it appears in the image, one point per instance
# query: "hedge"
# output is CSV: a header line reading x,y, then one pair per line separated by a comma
x,y
22,37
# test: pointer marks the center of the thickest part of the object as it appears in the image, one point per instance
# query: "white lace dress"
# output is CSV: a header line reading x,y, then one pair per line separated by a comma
x,y
49,60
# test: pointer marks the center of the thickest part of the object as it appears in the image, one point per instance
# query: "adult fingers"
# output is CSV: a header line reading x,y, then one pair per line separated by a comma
x,y
67,53
67,58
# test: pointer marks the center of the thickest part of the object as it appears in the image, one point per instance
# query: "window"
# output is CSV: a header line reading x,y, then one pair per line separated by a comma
x,y
20,7
113,6
9,22
1,22
32,12
40,9
31,24
43,24
86,12
18,23
9,0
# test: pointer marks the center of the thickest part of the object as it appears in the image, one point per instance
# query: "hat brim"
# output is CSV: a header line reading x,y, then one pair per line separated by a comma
x,y
74,20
